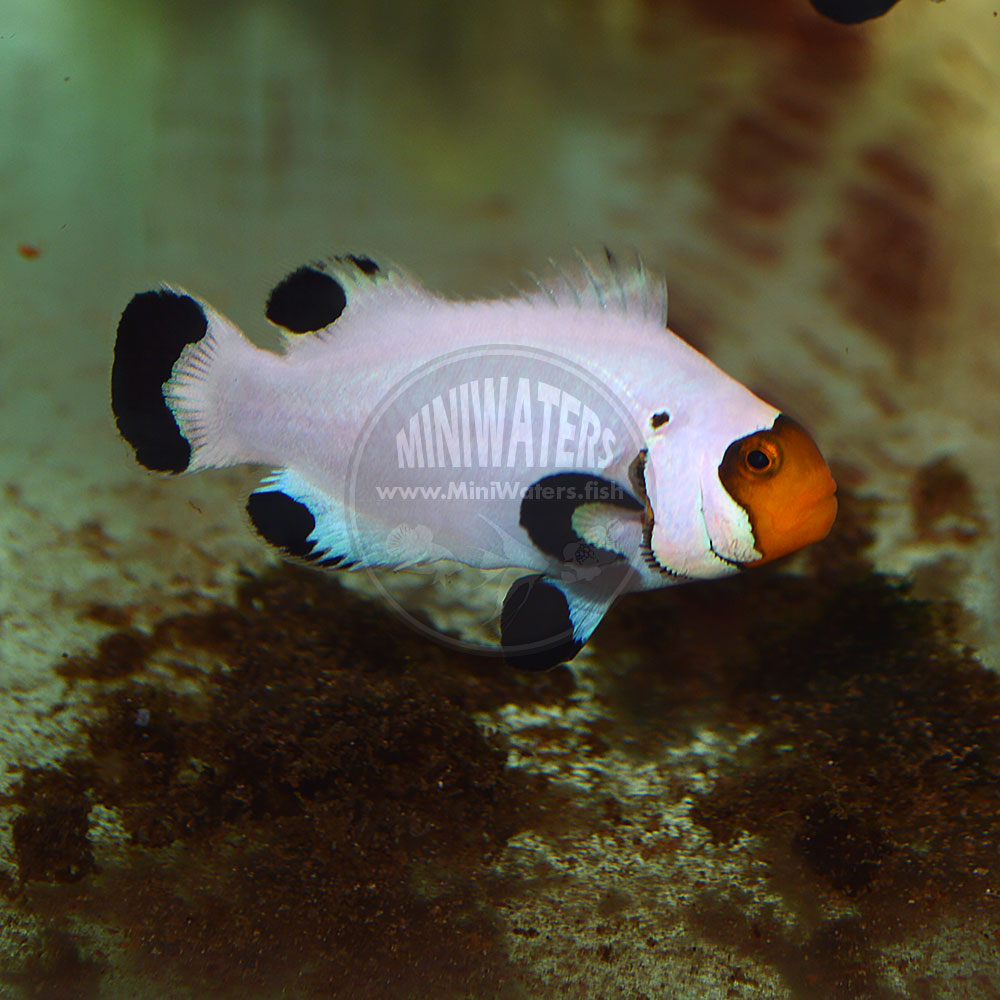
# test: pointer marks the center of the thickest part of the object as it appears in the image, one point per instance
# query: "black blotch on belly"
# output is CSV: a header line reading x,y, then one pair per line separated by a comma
x,y
306,301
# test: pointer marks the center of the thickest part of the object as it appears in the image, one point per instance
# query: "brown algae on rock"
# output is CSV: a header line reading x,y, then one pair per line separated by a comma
x,y
308,795
318,810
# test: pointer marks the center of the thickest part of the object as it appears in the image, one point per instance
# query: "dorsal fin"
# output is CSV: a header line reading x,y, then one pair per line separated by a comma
x,y
609,285
311,298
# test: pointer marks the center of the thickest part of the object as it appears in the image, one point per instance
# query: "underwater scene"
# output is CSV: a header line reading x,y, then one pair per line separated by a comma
x,y
257,734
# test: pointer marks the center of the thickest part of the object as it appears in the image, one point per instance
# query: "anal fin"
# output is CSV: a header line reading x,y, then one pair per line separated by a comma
x,y
302,522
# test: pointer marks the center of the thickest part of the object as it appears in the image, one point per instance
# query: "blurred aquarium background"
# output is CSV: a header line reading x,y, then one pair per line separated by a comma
x,y
227,778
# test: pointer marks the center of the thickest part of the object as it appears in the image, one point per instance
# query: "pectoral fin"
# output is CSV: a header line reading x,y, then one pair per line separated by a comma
x,y
608,527
561,511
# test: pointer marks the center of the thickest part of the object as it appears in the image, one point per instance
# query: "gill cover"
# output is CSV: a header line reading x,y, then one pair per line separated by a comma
x,y
694,528
779,478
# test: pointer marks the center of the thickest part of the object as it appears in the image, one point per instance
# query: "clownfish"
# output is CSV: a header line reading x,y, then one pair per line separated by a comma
x,y
563,431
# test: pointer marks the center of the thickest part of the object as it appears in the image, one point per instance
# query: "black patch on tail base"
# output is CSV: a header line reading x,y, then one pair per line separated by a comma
x,y
536,632
547,514
286,524
155,327
307,300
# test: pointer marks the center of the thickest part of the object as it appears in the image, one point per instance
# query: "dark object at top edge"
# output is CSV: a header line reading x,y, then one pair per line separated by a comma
x,y
852,11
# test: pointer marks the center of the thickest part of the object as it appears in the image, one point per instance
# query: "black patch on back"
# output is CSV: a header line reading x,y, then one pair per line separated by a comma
x,y
536,632
364,264
659,419
547,514
155,327
307,300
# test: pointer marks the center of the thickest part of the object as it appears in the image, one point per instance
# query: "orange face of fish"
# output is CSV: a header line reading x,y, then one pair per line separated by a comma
x,y
780,479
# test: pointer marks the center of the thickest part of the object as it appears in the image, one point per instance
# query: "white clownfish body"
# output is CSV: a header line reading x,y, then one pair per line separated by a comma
x,y
566,432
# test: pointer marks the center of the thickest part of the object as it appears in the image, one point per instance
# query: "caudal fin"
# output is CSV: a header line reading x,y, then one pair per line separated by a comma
x,y
168,381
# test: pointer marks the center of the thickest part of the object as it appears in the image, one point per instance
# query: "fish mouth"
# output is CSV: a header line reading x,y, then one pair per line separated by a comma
x,y
824,512
819,509
820,512
810,523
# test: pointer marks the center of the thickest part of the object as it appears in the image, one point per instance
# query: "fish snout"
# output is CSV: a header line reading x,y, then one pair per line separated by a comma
x,y
780,478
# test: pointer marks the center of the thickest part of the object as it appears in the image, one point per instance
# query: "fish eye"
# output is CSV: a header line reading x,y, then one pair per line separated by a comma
x,y
761,457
